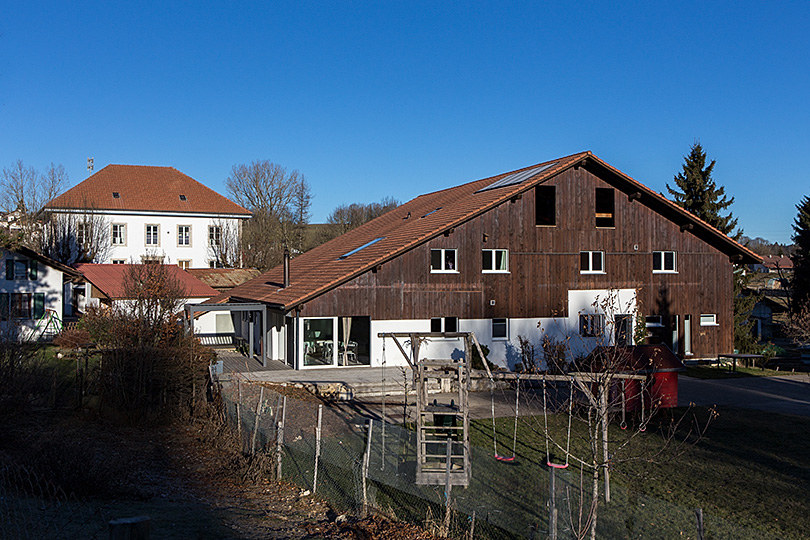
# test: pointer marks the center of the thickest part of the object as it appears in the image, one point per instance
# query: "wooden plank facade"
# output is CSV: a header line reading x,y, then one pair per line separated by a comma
x,y
544,264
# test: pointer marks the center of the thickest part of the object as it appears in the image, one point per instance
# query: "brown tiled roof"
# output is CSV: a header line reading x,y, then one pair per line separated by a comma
x,y
427,216
142,188
223,279
776,262
109,279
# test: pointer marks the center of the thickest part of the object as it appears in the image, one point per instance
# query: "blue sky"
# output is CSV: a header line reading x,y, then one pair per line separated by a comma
x,y
375,99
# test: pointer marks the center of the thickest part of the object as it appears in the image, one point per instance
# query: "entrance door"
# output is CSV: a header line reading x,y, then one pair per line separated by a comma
x,y
687,335
622,336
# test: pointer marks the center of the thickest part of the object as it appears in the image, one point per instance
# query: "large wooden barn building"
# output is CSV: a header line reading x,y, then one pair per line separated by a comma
x,y
572,249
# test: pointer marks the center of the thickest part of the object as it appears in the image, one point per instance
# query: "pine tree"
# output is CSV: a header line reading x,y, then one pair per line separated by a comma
x,y
700,196
801,257
698,193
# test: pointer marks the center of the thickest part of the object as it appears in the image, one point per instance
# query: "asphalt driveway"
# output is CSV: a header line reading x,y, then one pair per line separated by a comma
x,y
788,394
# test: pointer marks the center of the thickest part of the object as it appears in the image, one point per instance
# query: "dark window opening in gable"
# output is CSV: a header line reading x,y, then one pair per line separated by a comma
x,y
605,208
545,203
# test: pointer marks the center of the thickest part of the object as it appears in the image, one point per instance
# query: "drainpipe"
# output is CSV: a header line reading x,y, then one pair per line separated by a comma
x,y
286,268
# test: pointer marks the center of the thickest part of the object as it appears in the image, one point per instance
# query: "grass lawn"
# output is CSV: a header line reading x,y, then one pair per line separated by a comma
x,y
750,475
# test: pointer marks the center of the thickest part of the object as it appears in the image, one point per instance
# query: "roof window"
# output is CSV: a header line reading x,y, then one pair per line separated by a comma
x,y
116,195
352,252
517,177
182,197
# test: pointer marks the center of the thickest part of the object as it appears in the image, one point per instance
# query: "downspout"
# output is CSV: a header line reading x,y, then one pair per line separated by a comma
x,y
297,332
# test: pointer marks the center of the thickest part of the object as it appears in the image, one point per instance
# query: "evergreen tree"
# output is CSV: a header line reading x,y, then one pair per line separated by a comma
x,y
801,257
698,193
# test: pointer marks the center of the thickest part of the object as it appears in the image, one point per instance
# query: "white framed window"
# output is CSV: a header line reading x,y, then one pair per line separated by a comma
x,y
152,235
214,235
444,324
591,262
184,235
185,264
443,260
494,261
591,325
665,262
119,261
82,233
708,319
500,328
119,234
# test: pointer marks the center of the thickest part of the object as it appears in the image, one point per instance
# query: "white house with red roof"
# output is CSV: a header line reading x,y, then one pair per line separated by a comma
x,y
32,299
154,213
105,285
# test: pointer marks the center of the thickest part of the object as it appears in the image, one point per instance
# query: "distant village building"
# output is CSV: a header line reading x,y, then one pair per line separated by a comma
x,y
154,214
572,250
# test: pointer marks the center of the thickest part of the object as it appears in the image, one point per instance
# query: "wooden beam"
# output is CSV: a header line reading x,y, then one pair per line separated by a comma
x,y
483,358
687,227
634,196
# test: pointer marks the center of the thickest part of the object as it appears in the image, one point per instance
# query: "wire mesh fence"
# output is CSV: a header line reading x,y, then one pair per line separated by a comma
x,y
33,507
358,463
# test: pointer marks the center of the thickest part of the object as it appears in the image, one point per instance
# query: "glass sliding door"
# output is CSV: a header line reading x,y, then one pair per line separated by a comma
x,y
319,342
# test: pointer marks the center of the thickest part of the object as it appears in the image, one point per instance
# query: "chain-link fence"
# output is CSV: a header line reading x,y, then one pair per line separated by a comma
x,y
358,463
33,507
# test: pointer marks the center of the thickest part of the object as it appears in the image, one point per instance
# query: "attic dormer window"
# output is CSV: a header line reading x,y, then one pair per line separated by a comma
x,y
116,195
182,197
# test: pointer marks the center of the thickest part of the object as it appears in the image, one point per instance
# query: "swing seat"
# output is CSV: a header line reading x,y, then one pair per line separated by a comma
x,y
557,465
507,459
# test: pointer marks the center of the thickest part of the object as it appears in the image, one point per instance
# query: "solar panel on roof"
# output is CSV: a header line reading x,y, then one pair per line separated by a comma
x,y
516,178
352,252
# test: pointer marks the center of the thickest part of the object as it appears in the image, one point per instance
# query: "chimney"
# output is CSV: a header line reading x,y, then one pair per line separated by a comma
x,y
286,267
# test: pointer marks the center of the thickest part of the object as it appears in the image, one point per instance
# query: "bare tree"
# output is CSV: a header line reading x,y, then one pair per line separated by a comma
x,y
71,238
153,299
224,244
26,191
280,202
350,216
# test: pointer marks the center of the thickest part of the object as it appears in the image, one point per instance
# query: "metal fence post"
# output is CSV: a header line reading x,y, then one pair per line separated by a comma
x,y
317,449
366,458
256,422
280,437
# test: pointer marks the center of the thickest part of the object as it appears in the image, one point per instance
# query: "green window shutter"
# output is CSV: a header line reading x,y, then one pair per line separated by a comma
x,y
10,269
32,269
39,305
4,306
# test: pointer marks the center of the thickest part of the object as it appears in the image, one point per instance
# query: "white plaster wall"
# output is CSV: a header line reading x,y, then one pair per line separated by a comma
x,y
49,281
135,242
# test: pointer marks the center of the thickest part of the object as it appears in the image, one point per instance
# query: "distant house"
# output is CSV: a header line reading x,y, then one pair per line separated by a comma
x,y
571,249
223,279
105,286
774,264
155,213
33,302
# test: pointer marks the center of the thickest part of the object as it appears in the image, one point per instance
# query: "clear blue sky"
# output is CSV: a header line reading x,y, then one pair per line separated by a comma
x,y
375,99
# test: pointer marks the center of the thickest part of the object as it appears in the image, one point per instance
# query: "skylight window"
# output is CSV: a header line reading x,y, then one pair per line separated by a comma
x,y
517,178
364,246
182,197
116,195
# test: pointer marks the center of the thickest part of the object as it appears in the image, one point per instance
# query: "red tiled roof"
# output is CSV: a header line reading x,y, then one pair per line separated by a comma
x,y
142,188
427,216
777,261
109,279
